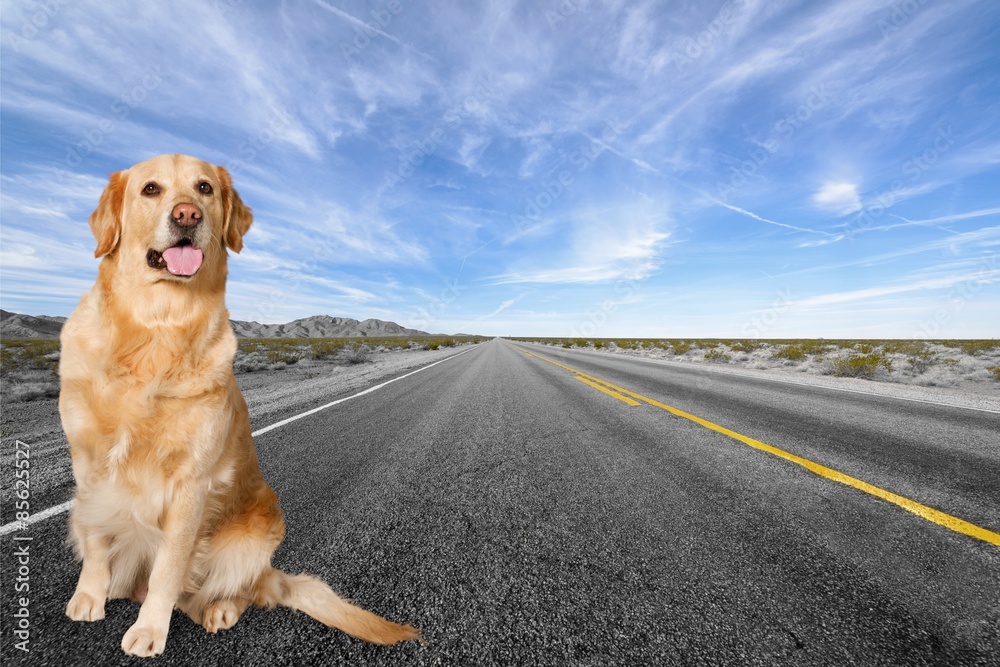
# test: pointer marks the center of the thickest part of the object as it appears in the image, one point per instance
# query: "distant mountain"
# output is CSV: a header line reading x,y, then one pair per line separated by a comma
x,y
13,325
323,326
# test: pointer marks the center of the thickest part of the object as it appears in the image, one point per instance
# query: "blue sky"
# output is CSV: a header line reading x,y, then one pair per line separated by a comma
x,y
567,167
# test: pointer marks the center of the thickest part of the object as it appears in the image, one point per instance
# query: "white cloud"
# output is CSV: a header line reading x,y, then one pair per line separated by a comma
x,y
839,198
618,242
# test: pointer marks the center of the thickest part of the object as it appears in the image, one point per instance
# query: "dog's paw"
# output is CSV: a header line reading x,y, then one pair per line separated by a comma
x,y
145,642
221,615
84,607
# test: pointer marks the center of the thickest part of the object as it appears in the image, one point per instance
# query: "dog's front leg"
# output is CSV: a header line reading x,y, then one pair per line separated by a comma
x,y
87,603
148,635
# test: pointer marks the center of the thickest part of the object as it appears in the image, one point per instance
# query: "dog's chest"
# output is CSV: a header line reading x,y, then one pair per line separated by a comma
x,y
162,421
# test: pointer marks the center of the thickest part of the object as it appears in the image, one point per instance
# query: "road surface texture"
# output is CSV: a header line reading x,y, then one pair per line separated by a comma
x,y
526,505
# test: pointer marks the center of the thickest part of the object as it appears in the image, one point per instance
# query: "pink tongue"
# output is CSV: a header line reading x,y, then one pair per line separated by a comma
x,y
183,260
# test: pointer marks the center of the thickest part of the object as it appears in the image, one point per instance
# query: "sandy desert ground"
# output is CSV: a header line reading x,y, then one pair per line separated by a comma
x,y
951,372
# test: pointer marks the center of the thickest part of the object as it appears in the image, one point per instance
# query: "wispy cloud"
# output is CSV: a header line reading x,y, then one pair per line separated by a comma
x,y
502,307
524,161
750,214
985,277
623,242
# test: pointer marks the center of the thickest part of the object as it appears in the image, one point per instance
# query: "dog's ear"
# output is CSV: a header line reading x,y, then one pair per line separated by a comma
x,y
106,220
238,215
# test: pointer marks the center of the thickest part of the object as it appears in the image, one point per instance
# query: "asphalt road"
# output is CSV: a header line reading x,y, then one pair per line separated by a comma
x,y
521,516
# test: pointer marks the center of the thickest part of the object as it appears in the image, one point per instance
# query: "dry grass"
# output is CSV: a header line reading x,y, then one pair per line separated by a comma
x,y
256,354
30,367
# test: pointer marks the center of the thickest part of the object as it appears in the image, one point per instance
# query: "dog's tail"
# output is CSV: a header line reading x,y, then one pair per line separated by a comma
x,y
311,595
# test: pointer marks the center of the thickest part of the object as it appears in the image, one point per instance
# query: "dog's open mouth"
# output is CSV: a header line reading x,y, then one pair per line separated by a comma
x,y
182,259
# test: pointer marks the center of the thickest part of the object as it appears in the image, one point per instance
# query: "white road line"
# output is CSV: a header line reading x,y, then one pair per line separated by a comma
x,y
36,517
59,509
361,393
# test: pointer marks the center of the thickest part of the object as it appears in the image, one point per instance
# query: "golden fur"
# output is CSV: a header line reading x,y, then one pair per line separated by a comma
x,y
169,497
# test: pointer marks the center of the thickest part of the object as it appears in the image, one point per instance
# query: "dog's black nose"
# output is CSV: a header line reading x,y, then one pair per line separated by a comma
x,y
186,215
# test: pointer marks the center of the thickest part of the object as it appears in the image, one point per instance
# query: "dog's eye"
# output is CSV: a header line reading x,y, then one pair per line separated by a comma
x,y
151,189
205,188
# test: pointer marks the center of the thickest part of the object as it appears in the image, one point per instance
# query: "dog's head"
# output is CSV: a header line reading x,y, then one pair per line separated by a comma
x,y
170,218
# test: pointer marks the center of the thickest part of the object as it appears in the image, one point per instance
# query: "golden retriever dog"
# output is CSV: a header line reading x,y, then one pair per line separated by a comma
x,y
171,508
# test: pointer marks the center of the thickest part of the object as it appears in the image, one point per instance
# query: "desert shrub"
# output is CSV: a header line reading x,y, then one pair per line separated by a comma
x,y
717,356
281,357
996,373
359,354
8,360
792,352
680,347
29,354
22,392
815,347
566,344
920,361
598,344
865,366
977,347
907,347
746,345
325,348
797,350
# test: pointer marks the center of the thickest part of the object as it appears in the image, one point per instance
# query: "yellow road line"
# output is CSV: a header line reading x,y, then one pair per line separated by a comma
x,y
923,511
607,391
